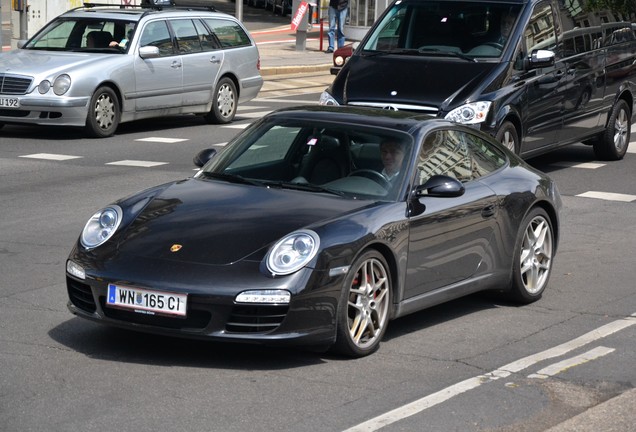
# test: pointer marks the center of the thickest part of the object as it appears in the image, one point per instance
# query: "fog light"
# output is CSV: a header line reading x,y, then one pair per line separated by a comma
x,y
75,269
264,296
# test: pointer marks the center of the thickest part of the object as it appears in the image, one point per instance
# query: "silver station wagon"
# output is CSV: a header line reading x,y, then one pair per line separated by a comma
x,y
99,66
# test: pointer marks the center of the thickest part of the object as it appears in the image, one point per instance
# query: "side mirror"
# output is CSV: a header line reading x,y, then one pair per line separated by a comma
x,y
204,157
440,186
540,58
148,51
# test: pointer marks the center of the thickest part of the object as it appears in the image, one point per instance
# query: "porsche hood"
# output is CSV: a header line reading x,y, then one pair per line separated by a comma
x,y
216,223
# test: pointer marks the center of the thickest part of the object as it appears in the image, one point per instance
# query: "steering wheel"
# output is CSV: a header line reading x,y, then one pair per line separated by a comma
x,y
372,175
495,45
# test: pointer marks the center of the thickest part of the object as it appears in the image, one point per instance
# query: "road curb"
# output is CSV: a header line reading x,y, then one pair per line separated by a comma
x,y
285,70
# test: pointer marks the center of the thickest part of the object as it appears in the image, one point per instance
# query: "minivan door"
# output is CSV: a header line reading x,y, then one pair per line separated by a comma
x,y
545,85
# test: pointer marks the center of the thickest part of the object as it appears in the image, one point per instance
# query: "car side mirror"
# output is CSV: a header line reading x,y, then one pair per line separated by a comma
x,y
148,51
204,157
441,186
540,58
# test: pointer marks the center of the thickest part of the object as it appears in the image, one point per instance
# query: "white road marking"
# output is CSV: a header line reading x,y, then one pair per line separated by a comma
x,y
257,114
585,165
608,196
295,101
237,126
163,140
137,163
503,372
51,156
571,362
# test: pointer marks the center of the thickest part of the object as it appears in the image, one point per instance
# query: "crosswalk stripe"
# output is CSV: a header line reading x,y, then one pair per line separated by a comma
x,y
608,196
162,140
137,163
585,165
256,114
51,156
237,126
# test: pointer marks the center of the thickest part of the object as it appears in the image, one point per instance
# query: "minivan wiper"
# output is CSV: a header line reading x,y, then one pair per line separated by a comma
x,y
447,53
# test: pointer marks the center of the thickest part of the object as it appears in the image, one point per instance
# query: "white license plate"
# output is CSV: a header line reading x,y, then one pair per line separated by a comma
x,y
9,102
147,301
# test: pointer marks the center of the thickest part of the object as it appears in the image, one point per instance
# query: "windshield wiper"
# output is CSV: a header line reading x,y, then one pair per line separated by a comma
x,y
232,178
304,187
446,53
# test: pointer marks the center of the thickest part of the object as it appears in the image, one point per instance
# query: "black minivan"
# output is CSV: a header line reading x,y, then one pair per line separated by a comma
x,y
536,74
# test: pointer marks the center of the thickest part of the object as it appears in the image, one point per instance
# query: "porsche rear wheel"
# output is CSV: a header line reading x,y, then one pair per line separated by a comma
x,y
363,312
533,257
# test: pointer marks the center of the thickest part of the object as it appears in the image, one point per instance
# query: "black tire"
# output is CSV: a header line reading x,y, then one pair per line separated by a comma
x,y
508,136
364,308
534,250
104,114
613,143
224,103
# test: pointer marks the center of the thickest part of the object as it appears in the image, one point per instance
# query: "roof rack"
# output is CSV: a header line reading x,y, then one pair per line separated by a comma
x,y
151,4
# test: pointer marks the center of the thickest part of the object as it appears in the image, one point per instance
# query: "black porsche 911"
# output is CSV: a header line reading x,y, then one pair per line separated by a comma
x,y
317,226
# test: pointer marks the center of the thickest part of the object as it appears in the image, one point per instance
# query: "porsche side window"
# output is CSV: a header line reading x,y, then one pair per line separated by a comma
x,y
484,157
444,152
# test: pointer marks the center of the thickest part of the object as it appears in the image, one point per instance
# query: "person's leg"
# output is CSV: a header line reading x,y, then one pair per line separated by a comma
x,y
331,34
342,19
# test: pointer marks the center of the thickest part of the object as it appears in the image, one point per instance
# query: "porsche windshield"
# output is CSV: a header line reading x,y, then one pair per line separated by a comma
x,y
444,28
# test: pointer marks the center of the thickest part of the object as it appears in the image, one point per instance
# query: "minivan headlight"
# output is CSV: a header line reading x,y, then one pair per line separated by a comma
x,y
327,99
471,113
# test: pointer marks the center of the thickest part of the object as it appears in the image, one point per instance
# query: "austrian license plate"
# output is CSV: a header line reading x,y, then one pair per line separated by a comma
x,y
147,301
9,102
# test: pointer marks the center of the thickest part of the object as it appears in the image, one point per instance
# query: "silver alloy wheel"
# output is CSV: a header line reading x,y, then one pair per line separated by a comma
x,y
508,141
368,303
104,111
225,100
536,255
621,128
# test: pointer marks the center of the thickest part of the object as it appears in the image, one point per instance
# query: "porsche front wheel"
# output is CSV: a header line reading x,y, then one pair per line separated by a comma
x,y
363,312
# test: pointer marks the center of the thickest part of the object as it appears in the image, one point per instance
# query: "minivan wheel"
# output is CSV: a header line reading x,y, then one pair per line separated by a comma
x,y
224,102
508,137
103,113
363,310
612,144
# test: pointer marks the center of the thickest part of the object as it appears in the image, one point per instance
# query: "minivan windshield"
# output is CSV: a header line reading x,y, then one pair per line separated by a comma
x,y
444,28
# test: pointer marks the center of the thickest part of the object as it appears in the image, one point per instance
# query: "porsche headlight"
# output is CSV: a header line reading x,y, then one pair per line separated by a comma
x,y
327,99
101,226
61,84
471,113
293,252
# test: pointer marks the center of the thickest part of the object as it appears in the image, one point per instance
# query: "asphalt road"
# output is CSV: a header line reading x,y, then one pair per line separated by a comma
x,y
476,364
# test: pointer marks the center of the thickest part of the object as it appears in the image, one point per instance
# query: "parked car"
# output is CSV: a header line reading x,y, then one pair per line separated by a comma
x,y
533,73
282,7
341,56
317,226
98,67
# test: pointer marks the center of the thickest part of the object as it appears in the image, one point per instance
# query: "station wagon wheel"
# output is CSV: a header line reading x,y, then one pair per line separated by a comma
x,y
103,113
533,257
612,144
363,312
224,103
508,137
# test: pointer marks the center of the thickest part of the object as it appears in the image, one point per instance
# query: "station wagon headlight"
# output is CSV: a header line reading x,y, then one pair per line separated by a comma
x,y
292,252
61,84
471,113
101,226
44,87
